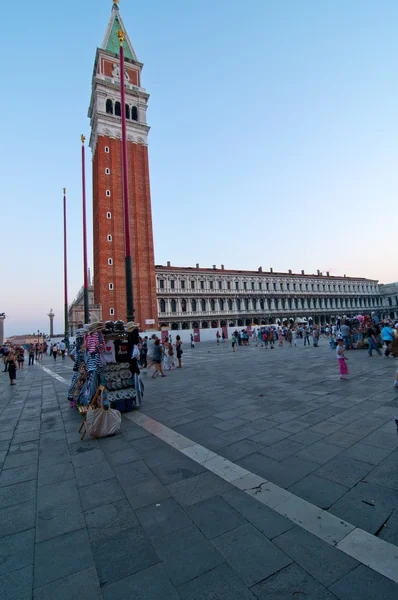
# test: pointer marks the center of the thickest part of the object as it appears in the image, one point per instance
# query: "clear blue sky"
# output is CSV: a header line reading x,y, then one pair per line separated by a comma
x,y
273,137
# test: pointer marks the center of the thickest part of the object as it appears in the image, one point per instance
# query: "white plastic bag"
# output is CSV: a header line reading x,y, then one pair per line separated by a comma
x,y
101,423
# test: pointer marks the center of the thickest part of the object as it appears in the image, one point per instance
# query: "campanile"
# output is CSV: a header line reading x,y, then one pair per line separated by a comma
x,y
108,216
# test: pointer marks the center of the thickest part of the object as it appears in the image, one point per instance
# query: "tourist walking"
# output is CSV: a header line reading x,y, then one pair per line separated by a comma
x,y
340,350
20,357
179,351
55,351
218,337
157,359
62,347
12,367
144,352
280,338
387,335
192,341
315,337
372,340
233,341
31,353
151,350
168,356
307,336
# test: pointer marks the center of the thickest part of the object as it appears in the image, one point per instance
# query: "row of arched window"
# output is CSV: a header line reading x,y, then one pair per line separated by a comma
x,y
267,304
131,113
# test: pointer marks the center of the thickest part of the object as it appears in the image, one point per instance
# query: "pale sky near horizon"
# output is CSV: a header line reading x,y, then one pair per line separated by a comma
x,y
273,138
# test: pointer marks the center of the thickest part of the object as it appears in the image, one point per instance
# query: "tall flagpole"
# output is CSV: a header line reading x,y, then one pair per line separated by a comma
x,y
85,288
66,316
128,261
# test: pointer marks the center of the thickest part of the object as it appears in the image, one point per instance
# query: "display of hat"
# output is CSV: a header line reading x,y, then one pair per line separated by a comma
x,y
109,325
96,326
131,326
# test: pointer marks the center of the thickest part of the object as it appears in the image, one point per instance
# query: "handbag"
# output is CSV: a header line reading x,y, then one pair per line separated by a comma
x,y
103,423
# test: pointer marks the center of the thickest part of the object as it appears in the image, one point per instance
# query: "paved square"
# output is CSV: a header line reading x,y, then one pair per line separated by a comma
x,y
133,516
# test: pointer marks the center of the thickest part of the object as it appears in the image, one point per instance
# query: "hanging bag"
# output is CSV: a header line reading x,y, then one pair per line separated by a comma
x,y
103,422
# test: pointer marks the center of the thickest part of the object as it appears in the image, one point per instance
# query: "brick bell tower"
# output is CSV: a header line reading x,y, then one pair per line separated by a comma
x,y
108,215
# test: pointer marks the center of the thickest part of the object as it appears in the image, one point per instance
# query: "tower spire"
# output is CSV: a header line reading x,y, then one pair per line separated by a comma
x,y
111,41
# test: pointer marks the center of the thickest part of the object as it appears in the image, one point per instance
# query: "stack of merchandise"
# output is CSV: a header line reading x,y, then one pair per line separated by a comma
x,y
106,354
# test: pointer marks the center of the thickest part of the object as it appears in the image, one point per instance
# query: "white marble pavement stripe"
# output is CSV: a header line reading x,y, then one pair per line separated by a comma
x,y
376,554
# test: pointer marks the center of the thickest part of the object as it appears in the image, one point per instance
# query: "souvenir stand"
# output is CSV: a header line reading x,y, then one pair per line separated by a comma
x,y
106,367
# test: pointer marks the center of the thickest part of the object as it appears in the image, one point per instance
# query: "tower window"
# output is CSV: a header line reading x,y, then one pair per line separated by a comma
x,y
110,261
172,284
108,215
108,193
161,284
192,285
109,238
134,113
182,284
107,171
127,111
106,149
112,311
118,112
109,107
111,286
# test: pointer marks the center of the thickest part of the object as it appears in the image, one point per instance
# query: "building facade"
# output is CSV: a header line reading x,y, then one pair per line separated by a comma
x,y
76,310
190,297
389,294
108,215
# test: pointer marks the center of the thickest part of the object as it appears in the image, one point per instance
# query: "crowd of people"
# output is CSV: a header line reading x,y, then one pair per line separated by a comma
x,y
13,357
162,355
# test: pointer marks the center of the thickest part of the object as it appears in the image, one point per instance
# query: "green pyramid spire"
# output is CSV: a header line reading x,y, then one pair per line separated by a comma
x,y
111,41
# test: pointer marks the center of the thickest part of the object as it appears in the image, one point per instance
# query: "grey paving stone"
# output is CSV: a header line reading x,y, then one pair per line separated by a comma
x,y
198,488
54,454
282,449
149,584
239,450
230,424
178,469
144,444
291,583
122,553
49,496
306,437
19,517
62,556
344,470
322,561
220,583
83,459
135,433
368,454
98,494
389,532
163,518
250,554
289,471
191,556
381,440
113,444
160,456
20,460
84,448
364,584
93,473
320,452
55,474
25,436
109,519
271,436
257,462
148,492
84,585
345,439
121,457
367,506
6,435
53,436
16,551
17,585
27,447
58,520
266,520
17,493
283,416
18,475
135,472
215,517
294,426
263,424
318,491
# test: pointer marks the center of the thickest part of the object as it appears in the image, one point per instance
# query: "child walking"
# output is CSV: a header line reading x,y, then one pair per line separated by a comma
x,y
340,349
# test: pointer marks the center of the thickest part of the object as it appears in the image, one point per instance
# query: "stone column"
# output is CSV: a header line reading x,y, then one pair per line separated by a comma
x,y
2,319
51,316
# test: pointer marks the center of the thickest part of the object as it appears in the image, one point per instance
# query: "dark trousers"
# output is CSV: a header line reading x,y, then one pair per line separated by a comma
x,y
31,359
5,366
55,355
387,343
